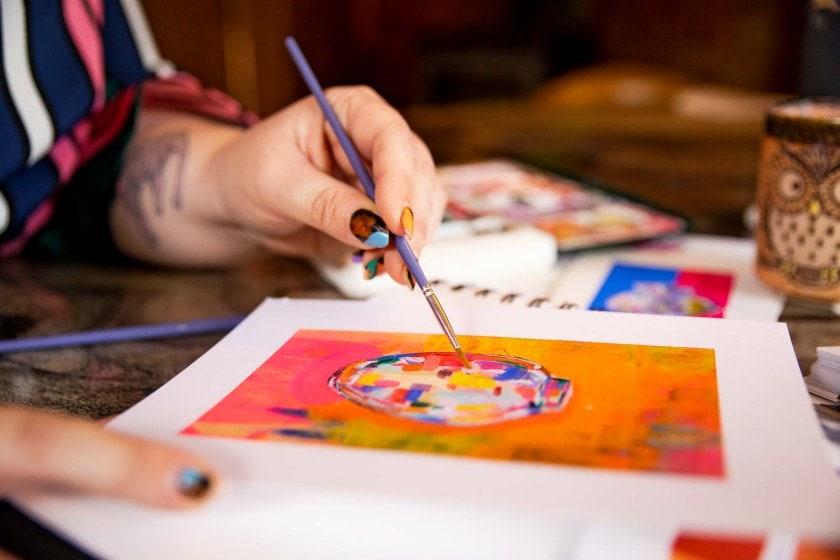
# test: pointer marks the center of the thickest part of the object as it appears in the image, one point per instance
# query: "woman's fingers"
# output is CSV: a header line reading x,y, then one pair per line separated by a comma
x,y
291,170
44,450
409,196
401,166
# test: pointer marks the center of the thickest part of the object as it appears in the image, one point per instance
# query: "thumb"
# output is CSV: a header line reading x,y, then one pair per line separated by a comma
x,y
40,450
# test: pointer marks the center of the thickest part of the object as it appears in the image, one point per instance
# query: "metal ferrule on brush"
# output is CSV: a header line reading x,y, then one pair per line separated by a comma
x,y
402,246
443,321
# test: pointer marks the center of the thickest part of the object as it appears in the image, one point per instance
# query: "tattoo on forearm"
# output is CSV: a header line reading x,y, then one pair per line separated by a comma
x,y
158,167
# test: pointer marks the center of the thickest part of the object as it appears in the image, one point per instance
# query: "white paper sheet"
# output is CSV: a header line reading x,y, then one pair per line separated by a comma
x,y
300,501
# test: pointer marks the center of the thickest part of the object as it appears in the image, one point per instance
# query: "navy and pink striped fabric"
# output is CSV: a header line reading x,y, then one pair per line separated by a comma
x,y
70,75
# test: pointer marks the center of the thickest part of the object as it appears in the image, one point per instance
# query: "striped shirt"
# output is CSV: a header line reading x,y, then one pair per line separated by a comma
x,y
70,78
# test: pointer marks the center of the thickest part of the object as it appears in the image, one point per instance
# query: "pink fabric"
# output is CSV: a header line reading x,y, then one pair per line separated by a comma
x,y
65,157
72,150
34,222
98,129
184,93
86,36
97,8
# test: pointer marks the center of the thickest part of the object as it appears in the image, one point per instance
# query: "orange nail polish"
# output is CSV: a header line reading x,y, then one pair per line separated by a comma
x,y
407,221
409,279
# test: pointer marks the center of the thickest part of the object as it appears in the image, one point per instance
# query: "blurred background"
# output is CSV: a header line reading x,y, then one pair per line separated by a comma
x,y
440,51
659,100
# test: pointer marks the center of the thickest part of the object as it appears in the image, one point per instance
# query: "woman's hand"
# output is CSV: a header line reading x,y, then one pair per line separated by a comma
x,y
195,192
40,450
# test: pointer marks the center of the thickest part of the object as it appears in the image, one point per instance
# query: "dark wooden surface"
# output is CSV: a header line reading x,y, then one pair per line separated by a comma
x,y
98,381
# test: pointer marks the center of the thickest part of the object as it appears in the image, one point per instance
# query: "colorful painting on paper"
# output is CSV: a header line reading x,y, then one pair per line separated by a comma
x,y
632,407
663,291
703,546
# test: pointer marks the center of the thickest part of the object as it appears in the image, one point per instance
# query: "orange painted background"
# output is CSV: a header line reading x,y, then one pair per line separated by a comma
x,y
634,407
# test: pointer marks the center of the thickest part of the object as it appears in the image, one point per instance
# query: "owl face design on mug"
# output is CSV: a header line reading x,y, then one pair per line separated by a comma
x,y
802,213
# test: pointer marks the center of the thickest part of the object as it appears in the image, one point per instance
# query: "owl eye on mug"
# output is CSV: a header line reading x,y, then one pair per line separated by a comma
x,y
792,186
830,195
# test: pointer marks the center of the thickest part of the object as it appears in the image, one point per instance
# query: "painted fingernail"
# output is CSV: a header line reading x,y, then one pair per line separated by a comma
x,y
407,221
409,279
369,229
372,268
358,256
193,483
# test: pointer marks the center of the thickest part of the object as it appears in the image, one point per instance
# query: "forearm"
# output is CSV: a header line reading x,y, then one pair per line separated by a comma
x,y
194,192
169,208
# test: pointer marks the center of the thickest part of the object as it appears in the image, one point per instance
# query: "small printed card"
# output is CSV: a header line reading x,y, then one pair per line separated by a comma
x,y
578,215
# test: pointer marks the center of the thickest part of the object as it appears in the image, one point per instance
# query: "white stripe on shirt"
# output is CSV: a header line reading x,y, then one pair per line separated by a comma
x,y
143,39
22,88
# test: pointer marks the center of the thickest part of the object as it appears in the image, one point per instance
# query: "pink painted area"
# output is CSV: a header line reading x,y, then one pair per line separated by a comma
x,y
385,383
311,386
526,392
88,40
289,378
714,286
431,363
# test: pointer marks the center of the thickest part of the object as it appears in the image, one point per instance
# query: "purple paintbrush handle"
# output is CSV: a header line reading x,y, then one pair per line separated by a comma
x,y
403,248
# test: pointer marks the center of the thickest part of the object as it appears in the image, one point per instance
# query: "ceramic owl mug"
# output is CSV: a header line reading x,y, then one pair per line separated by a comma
x,y
798,199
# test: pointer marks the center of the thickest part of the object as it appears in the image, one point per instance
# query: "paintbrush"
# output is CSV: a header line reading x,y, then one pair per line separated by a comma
x,y
401,244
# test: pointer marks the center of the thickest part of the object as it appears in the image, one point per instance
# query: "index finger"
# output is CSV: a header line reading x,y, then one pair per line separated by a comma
x,y
402,166
44,450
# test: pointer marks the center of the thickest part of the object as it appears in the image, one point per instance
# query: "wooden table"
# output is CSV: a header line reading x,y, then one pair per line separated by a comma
x,y
98,381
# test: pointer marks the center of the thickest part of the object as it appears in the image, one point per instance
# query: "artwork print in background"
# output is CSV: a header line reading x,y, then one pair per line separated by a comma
x,y
635,407
577,214
636,288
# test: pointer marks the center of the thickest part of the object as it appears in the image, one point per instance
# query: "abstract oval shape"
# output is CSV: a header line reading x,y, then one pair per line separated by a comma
x,y
661,299
435,387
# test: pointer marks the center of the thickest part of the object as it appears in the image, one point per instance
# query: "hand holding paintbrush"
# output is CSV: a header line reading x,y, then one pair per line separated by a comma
x,y
362,173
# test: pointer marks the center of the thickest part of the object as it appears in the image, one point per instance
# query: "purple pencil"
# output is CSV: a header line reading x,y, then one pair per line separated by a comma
x,y
120,334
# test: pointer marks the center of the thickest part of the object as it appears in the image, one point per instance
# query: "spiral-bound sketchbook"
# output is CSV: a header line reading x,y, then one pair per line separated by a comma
x,y
505,223
688,275
344,429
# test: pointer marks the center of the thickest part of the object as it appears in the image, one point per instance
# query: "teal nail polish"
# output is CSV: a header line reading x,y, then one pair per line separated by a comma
x,y
372,267
193,483
369,229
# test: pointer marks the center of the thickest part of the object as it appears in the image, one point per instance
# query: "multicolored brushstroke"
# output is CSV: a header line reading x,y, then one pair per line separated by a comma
x,y
635,407
435,387
663,291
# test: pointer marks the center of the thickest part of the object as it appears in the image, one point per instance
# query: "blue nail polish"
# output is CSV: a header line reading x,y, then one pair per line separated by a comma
x,y
377,240
370,229
193,483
